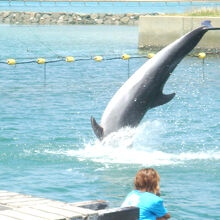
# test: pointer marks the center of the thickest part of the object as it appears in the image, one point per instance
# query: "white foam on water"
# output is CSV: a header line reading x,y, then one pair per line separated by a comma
x,y
136,146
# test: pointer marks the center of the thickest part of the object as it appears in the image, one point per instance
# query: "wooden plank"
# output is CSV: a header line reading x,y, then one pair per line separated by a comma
x,y
17,196
128,213
20,200
88,214
20,216
23,207
4,208
3,217
76,209
42,214
29,203
93,205
63,207
66,213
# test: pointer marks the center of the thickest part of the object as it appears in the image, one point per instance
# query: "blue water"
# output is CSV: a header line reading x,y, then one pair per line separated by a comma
x,y
47,146
105,7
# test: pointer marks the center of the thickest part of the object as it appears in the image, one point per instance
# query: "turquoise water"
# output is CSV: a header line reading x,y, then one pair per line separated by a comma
x,y
47,145
105,7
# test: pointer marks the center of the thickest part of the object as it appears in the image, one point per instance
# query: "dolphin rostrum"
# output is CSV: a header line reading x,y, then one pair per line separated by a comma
x,y
144,89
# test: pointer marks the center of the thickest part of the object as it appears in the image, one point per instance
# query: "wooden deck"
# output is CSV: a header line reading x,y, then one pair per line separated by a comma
x,y
15,206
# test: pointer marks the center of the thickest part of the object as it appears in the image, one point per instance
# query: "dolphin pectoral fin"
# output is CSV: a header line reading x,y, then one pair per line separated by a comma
x,y
98,130
163,99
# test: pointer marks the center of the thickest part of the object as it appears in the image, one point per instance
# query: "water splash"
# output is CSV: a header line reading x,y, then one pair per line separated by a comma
x,y
140,145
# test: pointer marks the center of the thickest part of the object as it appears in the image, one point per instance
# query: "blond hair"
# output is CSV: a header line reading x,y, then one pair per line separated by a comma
x,y
147,180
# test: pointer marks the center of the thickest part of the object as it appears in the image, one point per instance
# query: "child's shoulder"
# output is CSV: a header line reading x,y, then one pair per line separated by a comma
x,y
152,197
135,192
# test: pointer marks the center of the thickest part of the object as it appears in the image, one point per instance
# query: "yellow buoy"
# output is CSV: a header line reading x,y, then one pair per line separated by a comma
x,y
126,57
98,58
70,59
41,61
11,61
150,55
202,55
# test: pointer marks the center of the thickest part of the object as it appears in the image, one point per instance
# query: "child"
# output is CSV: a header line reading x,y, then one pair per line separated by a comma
x,y
145,196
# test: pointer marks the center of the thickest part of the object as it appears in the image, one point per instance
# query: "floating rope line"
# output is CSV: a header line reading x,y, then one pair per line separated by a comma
x,y
71,59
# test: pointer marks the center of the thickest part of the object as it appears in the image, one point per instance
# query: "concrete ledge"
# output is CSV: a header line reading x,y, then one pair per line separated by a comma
x,y
159,31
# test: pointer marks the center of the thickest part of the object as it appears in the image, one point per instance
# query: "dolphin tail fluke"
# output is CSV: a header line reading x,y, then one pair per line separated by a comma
x,y
163,99
98,130
207,24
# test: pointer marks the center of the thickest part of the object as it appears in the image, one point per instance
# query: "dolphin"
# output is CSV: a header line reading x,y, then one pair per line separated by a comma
x,y
144,89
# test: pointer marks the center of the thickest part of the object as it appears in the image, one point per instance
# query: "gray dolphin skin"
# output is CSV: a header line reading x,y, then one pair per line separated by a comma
x,y
144,89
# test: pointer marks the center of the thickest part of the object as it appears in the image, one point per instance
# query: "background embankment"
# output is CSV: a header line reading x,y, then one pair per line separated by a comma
x,y
61,18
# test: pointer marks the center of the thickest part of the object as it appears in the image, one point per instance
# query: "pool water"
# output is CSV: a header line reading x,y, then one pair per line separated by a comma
x,y
47,144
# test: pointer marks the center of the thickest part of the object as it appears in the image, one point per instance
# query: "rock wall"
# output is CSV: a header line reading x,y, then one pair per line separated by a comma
x,y
60,18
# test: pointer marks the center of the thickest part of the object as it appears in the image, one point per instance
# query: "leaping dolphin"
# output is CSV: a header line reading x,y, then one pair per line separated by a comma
x,y
144,89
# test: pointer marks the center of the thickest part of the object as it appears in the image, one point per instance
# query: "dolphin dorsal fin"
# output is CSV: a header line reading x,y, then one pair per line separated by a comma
x,y
98,130
162,99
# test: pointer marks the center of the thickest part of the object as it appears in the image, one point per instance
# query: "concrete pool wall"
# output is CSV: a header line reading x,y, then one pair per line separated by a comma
x,y
159,31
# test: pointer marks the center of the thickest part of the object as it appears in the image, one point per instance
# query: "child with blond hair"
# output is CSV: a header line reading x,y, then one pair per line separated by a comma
x,y
146,196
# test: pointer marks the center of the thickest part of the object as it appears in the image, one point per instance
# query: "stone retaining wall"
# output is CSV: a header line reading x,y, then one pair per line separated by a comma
x,y
60,18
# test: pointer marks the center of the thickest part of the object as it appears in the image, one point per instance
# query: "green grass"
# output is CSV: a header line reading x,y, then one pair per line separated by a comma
x,y
212,12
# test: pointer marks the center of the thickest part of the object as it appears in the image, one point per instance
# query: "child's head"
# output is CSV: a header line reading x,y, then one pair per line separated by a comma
x,y
147,180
